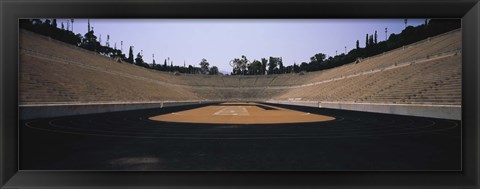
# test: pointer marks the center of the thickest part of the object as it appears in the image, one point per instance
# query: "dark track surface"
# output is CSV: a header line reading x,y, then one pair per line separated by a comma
x,y
129,141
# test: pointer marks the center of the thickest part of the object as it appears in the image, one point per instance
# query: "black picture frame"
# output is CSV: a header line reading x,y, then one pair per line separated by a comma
x,y
11,11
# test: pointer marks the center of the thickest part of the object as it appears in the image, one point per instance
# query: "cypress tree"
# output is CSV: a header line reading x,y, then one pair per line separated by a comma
x,y
370,40
366,40
130,55
165,65
54,23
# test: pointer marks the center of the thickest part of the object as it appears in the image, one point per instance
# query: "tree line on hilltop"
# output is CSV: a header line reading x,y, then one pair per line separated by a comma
x,y
319,61
243,66
89,41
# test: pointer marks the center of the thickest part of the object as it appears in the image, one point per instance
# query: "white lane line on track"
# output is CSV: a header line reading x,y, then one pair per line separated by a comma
x,y
285,136
51,123
223,138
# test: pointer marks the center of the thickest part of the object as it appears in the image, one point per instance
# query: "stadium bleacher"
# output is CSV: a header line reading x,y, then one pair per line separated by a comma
x,y
426,72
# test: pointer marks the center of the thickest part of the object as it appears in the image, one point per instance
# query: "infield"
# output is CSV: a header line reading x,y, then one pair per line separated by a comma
x,y
241,113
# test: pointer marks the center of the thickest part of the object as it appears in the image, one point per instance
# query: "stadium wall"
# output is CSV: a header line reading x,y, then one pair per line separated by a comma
x,y
55,110
421,110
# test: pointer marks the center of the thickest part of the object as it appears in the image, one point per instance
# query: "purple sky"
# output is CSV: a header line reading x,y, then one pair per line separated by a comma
x,y
221,40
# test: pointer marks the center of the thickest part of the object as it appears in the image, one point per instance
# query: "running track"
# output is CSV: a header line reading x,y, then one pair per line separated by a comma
x,y
130,141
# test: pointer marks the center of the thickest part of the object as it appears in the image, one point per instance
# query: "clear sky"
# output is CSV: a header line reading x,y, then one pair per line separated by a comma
x,y
221,40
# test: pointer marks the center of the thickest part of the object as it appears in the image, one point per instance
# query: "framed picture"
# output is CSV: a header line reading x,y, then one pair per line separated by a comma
x,y
239,94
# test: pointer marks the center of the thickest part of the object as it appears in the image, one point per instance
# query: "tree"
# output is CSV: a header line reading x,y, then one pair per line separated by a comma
x,y
72,23
130,55
370,40
296,68
244,64
240,65
358,44
204,66
54,23
236,62
318,58
280,66
214,70
376,37
139,59
190,69
90,42
315,61
273,63
303,66
255,68
264,66
47,22
366,40
37,21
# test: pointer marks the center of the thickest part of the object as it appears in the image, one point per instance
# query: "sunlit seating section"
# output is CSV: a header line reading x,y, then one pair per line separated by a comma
x,y
231,81
436,82
432,82
426,72
247,81
424,49
45,81
264,80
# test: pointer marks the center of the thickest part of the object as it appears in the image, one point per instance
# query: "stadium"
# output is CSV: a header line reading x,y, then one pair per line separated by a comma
x,y
399,110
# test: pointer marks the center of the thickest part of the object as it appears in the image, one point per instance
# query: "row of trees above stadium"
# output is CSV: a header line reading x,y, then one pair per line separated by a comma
x,y
241,65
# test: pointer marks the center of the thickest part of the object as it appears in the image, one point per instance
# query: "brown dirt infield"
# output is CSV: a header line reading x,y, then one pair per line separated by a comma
x,y
241,113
